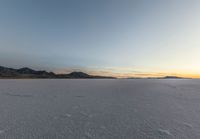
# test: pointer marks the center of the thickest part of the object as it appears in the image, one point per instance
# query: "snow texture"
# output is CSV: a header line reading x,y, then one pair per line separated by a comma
x,y
100,109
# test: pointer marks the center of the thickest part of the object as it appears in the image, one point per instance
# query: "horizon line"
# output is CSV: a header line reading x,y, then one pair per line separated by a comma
x,y
120,75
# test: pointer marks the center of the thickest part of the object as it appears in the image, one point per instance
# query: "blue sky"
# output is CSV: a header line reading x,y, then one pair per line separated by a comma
x,y
118,36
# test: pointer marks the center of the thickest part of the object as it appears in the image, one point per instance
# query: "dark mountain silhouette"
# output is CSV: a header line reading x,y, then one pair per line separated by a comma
x,y
165,77
30,73
172,77
168,77
78,74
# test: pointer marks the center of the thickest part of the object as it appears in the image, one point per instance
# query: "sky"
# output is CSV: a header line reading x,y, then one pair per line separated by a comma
x,y
110,37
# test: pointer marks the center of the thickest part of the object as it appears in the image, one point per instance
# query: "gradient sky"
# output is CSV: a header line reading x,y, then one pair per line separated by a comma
x,y
118,37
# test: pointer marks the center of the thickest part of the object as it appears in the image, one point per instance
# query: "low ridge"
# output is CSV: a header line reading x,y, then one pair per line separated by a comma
x,y
30,73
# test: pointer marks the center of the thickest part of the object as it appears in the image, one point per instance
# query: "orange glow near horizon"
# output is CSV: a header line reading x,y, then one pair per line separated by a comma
x,y
128,72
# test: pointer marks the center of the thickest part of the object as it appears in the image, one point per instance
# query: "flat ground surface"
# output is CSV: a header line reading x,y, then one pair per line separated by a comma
x,y
100,109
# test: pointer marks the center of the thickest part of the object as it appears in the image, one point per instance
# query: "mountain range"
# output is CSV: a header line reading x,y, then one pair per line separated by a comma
x,y
6,72
11,73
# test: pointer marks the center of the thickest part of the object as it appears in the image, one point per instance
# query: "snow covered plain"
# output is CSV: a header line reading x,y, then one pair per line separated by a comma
x,y
100,109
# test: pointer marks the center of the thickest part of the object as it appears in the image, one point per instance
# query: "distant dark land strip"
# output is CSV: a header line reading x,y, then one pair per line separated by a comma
x,y
26,73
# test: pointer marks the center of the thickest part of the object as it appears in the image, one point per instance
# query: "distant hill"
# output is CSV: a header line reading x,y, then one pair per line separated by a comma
x,y
30,73
172,77
168,77
165,77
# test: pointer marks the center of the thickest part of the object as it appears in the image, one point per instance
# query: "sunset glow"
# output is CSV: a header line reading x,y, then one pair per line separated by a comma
x,y
125,38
